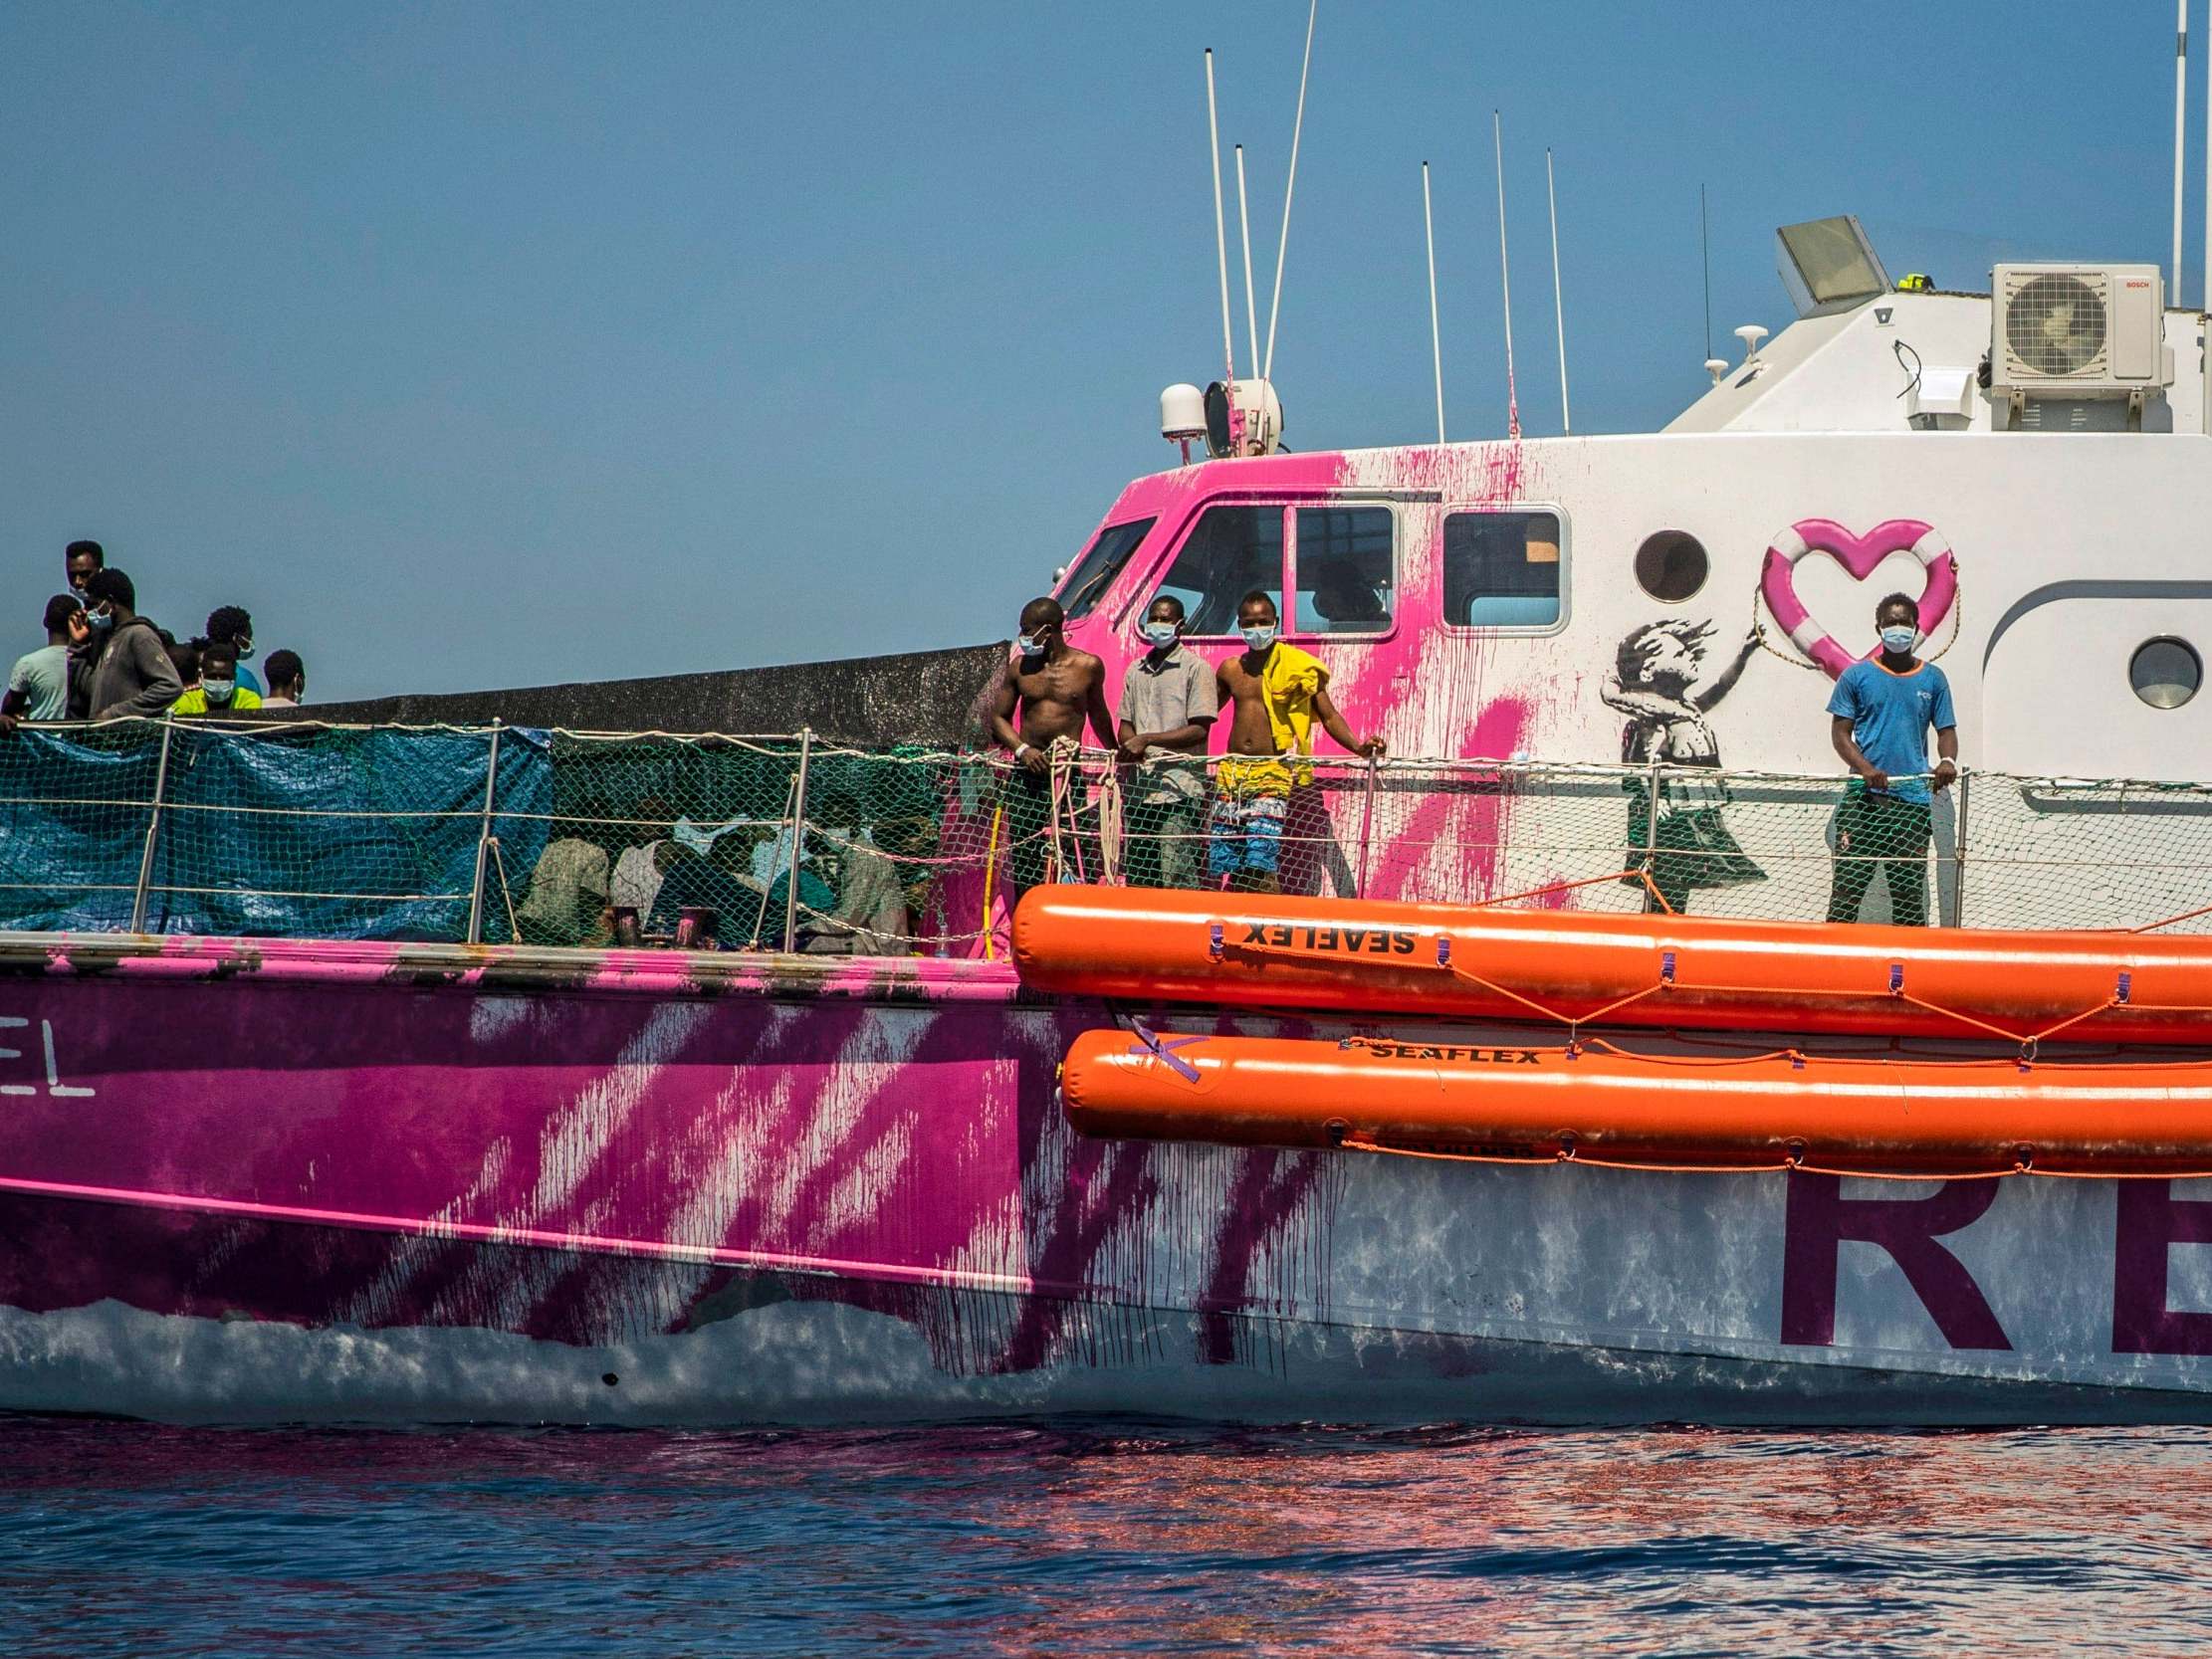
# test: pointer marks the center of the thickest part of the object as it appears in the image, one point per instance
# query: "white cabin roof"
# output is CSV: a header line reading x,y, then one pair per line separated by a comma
x,y
1844,372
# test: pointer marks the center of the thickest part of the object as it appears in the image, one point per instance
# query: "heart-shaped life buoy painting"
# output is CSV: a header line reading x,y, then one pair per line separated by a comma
x,y
1859,555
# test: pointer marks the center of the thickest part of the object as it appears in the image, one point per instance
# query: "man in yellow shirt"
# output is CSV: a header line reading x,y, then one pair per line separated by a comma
x,y
218,692
1279,692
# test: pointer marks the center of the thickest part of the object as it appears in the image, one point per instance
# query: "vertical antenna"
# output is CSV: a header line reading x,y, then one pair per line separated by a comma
x,y
1505,279
1435,336
1244,226
1221,242
1297,127
1558,305
2180,115
1705,253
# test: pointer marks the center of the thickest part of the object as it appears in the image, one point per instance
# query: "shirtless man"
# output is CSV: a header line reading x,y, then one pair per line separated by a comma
x,y
1279,691
1057,689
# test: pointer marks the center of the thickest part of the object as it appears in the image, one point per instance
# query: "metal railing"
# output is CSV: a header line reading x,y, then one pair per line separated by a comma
x,y
783,841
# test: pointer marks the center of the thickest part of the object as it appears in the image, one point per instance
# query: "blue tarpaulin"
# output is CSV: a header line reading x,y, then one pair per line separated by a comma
x,y
297,833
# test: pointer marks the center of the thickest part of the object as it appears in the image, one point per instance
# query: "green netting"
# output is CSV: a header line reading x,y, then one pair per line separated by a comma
x,y
657,840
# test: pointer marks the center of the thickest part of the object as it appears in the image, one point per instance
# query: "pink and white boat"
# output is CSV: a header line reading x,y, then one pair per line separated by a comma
x,y
255,1179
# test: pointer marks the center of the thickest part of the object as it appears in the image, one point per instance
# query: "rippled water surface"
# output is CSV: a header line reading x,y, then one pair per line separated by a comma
x,y
1101,1538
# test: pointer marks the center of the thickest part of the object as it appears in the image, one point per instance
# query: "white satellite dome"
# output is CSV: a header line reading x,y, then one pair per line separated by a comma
x,y
1182,412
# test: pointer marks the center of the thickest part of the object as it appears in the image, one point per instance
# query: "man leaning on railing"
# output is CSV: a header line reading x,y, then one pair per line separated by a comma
x,y
1056,689
1279,693
1882,710
1168,706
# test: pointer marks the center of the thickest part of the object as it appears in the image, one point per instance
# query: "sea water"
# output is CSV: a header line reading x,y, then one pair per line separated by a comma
x,y
1092,1537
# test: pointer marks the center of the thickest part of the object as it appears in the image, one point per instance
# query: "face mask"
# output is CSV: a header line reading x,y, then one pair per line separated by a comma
x,y
245,650
1258,639
218,690
1159,635
1900,639
1030,647
97,620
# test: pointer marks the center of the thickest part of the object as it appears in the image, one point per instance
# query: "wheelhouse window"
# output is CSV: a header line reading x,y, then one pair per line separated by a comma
x,y
1230,552
1346,571
1101,562
1501,569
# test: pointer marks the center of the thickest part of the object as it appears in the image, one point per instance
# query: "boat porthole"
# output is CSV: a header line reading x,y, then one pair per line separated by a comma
x,y
2165,672
1672,565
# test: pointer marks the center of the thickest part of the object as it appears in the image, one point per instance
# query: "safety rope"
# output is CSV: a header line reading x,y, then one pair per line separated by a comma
x,y
1641,873
1788,1165
1109,827
507,894
1671,982
2167,921
991,874
1061,763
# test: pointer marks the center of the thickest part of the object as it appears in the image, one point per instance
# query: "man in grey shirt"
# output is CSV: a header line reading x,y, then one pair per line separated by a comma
x,y
1167,705
132,674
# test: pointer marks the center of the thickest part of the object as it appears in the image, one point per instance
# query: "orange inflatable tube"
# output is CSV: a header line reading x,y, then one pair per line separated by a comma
x,y
1349,955
1871,1117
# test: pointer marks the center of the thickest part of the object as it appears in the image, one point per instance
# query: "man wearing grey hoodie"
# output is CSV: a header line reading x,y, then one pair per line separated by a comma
x,y
132,674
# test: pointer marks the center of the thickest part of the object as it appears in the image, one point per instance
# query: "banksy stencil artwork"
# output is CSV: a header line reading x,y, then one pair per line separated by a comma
x,y
1660,682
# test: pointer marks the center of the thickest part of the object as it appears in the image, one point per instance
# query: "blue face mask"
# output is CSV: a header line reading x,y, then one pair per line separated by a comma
x,y
1029,647
245,650
1159,635
1258,639
218,690
1900,639
99,620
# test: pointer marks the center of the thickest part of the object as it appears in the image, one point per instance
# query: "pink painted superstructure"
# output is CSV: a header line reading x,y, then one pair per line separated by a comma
x,y
1437,691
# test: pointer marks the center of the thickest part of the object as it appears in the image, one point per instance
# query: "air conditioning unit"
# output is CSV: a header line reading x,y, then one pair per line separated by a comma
x,y
2078,331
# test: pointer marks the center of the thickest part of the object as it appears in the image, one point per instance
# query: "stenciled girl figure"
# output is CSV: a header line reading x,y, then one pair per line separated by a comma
x,y
1655,683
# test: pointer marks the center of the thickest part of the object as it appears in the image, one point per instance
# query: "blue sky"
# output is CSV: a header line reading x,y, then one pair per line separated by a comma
x,y
491,345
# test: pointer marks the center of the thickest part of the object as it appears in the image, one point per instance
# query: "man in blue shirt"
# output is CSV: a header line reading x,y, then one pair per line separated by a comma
x,y
1883,708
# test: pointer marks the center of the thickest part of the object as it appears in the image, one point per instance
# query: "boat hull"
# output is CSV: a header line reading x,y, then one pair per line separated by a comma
x,y
254,1183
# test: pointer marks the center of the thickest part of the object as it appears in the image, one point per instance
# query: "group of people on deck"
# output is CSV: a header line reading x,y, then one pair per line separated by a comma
x,y
1189,835
104,660
1170,698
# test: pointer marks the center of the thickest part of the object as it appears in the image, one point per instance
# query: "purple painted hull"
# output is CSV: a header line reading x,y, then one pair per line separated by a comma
x,y
586,1151
300,1181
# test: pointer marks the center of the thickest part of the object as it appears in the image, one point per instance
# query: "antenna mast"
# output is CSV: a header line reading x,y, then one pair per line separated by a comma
x,y
1244,227
1221,242
1505,279
1558,305
1705,253
1297,127
2180,114
1435,337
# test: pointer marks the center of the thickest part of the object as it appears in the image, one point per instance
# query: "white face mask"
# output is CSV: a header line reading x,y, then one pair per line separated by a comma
x,y
1900,638
1159,635
1258,639
218,690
